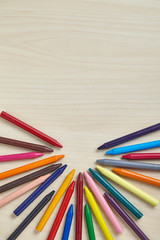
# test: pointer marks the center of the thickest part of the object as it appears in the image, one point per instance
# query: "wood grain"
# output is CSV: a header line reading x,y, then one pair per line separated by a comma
x,y
83,72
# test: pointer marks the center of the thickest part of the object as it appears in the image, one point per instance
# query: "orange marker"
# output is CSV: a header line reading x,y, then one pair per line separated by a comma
x,y
30,166
137,176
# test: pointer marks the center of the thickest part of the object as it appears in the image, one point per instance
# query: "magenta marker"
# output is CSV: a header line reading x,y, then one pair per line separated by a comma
x,y
20,156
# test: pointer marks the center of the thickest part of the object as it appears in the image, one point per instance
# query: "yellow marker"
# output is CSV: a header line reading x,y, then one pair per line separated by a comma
x,y
55,201
146,197
98,214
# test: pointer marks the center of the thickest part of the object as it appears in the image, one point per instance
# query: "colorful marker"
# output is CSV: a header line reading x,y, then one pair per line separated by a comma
x,y
137,176
39,190
68,223
129,164
79,207
31,216
134,148
89,222
98,214
130,187
61,212
27,145
23,190
125,216
20,156
130,136
55,201
29,177
106,208
141,156
30,129
30,166
116,194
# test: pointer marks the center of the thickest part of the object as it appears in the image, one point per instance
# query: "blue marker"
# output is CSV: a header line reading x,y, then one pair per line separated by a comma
x,y
133,148
68,223
39,190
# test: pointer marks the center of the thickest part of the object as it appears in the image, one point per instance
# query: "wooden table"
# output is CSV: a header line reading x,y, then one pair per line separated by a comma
x,y
84,72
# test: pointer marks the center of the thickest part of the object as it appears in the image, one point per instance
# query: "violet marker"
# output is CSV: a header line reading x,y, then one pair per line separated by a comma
x,y
125,216
130,136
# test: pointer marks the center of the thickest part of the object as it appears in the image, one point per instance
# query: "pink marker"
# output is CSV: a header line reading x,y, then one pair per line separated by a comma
x,y
23,190
20,156
103,203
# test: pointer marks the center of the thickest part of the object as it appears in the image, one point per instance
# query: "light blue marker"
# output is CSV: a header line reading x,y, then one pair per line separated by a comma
x,y
133,148
68,223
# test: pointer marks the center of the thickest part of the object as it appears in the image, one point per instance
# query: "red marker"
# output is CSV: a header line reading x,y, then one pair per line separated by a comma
x,y
61,212
30,129
141,156
79,208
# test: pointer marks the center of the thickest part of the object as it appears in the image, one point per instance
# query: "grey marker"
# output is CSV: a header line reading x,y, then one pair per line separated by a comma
x,y
128,164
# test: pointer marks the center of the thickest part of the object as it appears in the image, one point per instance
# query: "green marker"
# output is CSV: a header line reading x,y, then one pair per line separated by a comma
x,y
89,221
116,194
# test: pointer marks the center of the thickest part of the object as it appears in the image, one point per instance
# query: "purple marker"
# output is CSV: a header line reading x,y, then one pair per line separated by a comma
x,y
130,136
125,216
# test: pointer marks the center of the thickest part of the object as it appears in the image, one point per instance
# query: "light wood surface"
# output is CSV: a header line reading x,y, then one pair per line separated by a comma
x,y
84,72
